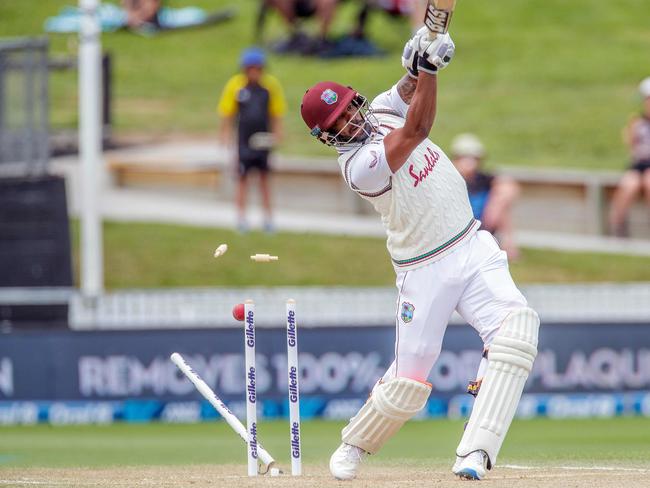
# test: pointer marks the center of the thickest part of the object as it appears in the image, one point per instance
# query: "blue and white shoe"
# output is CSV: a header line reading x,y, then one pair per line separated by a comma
x,y
471,467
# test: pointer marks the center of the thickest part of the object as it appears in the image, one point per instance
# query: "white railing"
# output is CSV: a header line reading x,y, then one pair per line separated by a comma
x,y
316,306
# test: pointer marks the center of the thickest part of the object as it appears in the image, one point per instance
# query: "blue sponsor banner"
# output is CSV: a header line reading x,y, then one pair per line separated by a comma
x,y
532,405
75,377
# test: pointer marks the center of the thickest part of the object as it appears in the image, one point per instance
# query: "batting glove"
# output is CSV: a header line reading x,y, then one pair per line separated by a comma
x,y
410,58
436,54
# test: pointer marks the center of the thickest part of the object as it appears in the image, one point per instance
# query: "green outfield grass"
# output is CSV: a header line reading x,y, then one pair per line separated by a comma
x,y
157,255
544,83
610,442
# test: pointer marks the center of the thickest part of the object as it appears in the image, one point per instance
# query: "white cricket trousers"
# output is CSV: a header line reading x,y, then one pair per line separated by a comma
x,y
474,280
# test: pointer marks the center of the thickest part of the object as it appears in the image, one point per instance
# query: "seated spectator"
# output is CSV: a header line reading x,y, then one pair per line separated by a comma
x,y
355,43
142,13
413,9
636,179
294,10
491,196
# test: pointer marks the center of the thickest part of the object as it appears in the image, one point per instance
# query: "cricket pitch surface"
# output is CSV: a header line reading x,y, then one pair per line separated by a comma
x,y
231,475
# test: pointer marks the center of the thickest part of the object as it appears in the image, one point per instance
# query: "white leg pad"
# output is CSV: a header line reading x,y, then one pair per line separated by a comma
x,y
510,359
390,405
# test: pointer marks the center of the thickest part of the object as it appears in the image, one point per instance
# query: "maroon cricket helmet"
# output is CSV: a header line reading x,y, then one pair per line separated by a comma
x,y
323,103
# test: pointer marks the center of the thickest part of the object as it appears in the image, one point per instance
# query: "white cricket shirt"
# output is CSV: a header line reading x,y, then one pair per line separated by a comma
x,y
424,206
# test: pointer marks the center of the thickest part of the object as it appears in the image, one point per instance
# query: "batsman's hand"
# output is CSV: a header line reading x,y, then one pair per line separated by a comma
x,y
433,55
410,58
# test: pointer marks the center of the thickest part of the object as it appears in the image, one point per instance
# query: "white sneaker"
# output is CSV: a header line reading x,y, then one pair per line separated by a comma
x,y
471,467
345,461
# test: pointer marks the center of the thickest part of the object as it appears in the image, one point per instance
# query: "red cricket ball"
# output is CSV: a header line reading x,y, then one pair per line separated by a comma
x,y
238,312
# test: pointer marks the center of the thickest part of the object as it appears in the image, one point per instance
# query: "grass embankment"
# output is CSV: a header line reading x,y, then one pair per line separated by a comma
x,y
543,83
157,255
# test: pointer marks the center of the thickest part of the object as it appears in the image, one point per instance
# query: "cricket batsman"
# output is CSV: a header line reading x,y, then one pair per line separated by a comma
x,y
442,261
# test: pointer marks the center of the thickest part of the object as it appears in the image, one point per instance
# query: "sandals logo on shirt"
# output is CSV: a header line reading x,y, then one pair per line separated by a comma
x,y
329,96
407,312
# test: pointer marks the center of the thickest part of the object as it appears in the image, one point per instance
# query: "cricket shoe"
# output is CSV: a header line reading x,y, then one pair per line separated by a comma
x,y
345,461
471,467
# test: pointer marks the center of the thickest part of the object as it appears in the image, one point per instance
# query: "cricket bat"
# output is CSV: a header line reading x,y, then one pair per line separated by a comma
x,y
438,16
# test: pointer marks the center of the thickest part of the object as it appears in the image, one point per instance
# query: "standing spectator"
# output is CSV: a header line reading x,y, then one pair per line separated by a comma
x,y
637,178
491,196
252,101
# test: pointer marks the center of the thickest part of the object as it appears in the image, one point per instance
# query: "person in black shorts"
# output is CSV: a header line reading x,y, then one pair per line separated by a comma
x,y
253,102
636,179
294,10
491,196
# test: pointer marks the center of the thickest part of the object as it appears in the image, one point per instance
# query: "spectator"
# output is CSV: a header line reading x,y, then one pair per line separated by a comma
x,y
252,101
491,196
637,177
413,9
293,10
356,43
142,13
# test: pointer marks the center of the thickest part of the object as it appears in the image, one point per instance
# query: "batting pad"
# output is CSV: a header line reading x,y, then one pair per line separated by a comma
x,y
390,405
510,359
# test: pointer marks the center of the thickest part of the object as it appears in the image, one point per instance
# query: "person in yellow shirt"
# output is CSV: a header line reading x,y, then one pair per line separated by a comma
x,y
252,105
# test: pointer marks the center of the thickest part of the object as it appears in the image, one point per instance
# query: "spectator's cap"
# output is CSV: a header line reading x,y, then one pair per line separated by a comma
x,y
644,88
323,103
253,56
467,145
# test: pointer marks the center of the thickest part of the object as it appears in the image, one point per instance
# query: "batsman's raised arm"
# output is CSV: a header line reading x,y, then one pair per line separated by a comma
x,y
406,88
423,58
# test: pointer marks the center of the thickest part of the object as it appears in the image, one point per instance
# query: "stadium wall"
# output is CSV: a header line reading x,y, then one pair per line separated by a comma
x,y
582,370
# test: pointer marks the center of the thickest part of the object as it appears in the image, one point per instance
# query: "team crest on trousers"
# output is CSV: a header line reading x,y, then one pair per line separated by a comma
x,y
407,312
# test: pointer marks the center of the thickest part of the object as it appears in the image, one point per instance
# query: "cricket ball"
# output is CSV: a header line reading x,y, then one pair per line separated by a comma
x,y
238,312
